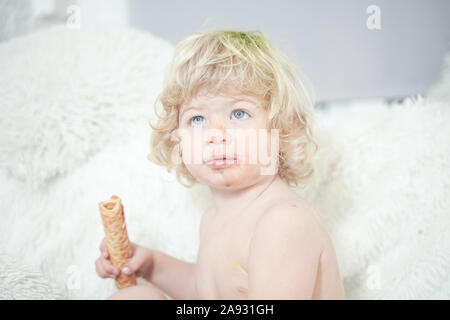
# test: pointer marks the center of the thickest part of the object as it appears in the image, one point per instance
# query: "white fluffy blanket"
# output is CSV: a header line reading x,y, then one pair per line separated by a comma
x,y
75,105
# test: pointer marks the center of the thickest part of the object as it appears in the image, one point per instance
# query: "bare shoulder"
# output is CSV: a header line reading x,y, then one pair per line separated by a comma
x,y
293,215
286,237
291,205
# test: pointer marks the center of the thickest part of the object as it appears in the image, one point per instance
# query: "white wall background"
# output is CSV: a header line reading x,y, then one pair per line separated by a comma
x,y
328,39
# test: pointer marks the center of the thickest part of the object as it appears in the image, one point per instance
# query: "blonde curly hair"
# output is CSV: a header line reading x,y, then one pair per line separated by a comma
x,y
248,62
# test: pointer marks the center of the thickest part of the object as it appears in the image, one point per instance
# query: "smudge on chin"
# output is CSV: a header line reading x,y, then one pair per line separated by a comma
x,y
240,175
233,176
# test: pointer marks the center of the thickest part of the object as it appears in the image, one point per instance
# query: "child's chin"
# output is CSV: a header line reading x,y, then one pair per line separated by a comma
x,y
225,180
231,179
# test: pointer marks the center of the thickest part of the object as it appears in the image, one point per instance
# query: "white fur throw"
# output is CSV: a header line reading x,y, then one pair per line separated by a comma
x,y
75,106
19,282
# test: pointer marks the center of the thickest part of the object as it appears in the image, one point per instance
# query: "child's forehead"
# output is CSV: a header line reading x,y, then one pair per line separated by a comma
x,y
232,95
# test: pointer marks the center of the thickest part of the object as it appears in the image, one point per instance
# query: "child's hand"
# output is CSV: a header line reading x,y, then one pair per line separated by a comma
x,y
140,262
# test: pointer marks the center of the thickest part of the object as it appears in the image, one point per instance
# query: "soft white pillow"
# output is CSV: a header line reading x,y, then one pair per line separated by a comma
x,y
66,93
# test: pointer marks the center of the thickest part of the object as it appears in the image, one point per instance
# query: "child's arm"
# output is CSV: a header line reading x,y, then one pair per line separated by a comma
x,y
284,255
173,276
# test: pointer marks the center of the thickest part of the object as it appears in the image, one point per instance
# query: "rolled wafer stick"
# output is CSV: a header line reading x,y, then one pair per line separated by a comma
x,y
116,238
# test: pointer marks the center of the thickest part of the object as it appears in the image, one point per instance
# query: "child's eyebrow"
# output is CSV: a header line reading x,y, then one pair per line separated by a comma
x,y
187,109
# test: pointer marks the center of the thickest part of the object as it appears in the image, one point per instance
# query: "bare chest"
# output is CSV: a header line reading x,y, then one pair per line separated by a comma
x,y
221,271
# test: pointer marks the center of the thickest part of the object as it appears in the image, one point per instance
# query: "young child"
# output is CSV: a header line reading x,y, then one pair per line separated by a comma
x,y
259,239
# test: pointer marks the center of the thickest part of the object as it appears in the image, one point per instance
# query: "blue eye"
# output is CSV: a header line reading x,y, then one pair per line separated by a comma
x,y
239,114
192,120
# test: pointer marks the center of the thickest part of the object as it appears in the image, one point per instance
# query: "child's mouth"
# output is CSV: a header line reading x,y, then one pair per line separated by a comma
x,y
221,162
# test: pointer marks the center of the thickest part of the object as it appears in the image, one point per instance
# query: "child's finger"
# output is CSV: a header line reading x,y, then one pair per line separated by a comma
x,y
104,249
109,268
103,245
99,269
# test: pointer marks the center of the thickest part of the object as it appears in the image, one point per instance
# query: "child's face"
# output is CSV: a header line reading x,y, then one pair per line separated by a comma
x,y
231,125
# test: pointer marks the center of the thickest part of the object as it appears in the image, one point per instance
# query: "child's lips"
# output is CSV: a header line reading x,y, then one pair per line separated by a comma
x,y
223,162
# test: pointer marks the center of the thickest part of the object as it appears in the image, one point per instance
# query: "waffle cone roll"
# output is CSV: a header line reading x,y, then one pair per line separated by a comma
x,y
116,238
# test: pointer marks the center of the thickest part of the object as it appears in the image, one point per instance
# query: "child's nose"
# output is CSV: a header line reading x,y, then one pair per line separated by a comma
x,y
216,133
